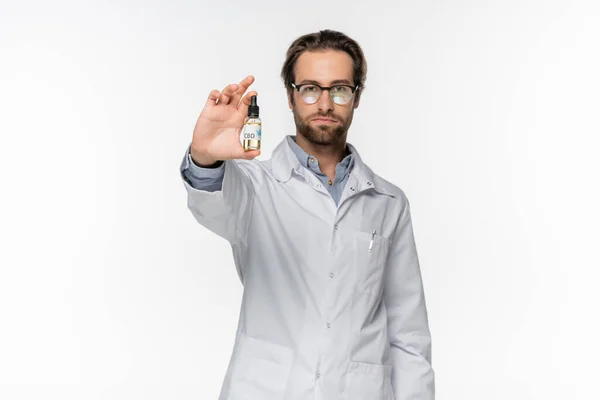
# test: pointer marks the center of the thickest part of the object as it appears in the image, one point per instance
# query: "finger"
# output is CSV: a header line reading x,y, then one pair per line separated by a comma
x,y
250,154
245,103
243,86
213,97
228,92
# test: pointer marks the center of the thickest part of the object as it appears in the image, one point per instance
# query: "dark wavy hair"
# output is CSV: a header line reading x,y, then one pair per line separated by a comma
x,y
325,40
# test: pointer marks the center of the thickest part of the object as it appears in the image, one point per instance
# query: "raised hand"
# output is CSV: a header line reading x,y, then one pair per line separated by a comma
x,y
217,132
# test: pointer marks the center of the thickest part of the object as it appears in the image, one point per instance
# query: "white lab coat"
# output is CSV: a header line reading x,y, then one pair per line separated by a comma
x,y
331,310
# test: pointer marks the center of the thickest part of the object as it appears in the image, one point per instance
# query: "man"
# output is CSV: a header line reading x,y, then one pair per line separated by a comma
x,y
333,303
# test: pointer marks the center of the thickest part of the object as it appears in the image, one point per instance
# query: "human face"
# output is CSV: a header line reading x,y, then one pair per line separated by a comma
x,y
324,122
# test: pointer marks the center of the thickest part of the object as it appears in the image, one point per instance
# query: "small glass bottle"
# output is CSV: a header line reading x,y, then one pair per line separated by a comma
x,y
251,132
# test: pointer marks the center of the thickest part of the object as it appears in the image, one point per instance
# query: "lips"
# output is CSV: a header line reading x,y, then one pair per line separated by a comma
x,y
323,119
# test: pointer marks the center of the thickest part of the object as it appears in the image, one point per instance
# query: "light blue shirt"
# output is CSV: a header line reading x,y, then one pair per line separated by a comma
x,y
211,179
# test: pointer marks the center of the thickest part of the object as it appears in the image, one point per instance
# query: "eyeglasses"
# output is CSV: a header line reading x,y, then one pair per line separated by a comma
x,y
311,92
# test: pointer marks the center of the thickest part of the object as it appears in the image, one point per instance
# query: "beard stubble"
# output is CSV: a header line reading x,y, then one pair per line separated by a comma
x,y
322,135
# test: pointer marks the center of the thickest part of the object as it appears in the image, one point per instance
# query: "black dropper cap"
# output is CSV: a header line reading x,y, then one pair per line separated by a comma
x,y
253,109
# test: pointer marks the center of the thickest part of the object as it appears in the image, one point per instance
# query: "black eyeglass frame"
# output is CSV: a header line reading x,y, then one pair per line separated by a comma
x,y
353,89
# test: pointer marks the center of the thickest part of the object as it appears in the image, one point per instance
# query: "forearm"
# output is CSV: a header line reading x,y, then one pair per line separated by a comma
x,y
219,198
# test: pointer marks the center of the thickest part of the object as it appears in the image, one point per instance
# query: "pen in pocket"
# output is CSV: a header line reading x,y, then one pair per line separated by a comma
x,y
372,238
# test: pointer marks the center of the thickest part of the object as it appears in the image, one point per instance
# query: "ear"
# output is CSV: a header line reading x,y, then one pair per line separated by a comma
x,y
357,98
290,93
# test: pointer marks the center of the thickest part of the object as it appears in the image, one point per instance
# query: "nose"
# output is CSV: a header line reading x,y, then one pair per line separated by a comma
x,y
325,102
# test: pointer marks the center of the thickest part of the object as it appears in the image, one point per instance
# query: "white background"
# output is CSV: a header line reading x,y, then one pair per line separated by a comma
x,y
485,113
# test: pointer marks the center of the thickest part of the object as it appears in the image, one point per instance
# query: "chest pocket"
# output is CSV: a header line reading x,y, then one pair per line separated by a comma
x,y
370,254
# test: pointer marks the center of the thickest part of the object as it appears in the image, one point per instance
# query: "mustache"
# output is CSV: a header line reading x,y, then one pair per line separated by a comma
x,y
329,115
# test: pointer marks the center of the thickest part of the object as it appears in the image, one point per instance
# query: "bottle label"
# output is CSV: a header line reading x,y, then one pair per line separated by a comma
x,y
251,132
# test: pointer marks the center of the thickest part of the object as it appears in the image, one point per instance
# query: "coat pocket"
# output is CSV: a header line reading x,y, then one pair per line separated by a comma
x,y
365,381
260,369
370,254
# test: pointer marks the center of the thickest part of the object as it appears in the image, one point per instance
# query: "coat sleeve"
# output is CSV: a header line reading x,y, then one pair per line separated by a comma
x,y
209,179
408,327
224,204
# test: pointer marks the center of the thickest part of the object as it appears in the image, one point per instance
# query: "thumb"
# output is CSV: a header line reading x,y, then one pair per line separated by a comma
x,y
249,155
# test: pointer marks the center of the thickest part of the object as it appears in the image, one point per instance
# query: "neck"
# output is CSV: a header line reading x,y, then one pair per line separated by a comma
x,y
329,155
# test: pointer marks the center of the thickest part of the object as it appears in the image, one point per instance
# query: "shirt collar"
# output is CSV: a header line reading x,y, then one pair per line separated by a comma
x,y
288,158
312,162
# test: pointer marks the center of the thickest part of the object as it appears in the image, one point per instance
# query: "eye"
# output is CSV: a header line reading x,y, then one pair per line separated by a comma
x,y
310,88
344,90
